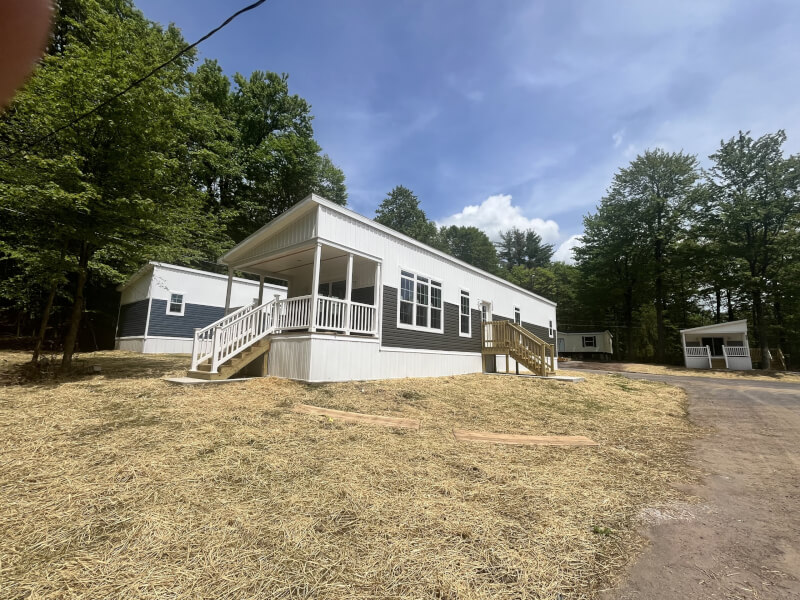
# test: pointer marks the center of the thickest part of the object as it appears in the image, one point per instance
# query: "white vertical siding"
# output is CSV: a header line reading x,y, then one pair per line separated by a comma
x,y
300,230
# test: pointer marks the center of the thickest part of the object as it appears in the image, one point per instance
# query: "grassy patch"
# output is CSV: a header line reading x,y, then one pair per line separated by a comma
x,y
122,485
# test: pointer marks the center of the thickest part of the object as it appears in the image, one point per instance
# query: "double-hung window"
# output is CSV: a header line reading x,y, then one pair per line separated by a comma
x,y
464,315
420,302
175,304
589,341
517,316
550,329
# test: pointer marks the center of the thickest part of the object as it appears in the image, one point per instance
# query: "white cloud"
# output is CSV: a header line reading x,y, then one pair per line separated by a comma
x,y
496,214
618,137
564,252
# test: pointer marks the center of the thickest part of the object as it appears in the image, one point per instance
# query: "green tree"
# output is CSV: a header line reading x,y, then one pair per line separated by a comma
x,y
755,196
658,188
469,244
400,210
523,248
112,191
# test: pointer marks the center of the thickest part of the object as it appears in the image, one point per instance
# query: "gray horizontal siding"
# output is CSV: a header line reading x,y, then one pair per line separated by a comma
x,y
449,341
194,316
132,318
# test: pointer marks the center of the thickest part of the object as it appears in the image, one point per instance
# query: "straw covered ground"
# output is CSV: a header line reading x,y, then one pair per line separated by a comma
x,y
121,485
754,375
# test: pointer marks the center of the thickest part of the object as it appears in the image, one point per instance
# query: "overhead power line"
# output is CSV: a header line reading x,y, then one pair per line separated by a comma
x,y
133,84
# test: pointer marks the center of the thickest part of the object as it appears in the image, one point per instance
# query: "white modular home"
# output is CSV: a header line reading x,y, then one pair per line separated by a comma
x,y
586,344
720,346
367,302
162,305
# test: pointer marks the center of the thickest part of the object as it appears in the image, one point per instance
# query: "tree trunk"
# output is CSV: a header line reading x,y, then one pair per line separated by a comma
x,y
48,307
77,310
761,329
718,313
731,315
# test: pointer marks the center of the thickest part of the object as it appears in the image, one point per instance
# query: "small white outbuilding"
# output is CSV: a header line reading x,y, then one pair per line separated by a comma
x,y
720,346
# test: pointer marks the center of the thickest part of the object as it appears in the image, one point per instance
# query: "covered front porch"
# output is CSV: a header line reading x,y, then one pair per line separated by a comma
x,y
330,289
719,346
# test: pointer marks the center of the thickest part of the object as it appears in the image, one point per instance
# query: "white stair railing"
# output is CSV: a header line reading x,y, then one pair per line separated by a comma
x,y
698,352
233,334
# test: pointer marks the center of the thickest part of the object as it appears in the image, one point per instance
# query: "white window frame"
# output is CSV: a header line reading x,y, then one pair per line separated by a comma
x,y
585,337
431,280
517,312
550,328
183,303
461,295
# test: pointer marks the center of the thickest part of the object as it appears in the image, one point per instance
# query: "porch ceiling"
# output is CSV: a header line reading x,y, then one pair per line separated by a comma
x,y
300,263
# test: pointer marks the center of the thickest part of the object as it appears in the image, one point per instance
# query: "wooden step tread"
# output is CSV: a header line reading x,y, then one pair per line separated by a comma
x,y
463,435
352,417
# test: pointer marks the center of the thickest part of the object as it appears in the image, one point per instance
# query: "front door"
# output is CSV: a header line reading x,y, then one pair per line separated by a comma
x,y
715,343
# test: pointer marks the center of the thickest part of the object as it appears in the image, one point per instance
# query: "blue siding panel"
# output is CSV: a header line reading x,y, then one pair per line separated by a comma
x,y
194,316
132,318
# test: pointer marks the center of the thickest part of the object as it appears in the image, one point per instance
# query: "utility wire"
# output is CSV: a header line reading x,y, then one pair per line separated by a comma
x,y
133,84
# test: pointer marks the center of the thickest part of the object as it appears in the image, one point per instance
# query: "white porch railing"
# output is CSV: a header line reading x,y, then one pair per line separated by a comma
x,y
735,352
235,332
294,313
331,313
698,352
363,318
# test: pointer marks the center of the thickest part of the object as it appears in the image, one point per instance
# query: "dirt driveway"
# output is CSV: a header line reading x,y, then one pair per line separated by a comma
x,y
743,540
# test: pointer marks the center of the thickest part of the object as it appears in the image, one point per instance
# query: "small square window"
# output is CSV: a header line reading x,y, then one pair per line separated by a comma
x,y
589,341
175,306
517,316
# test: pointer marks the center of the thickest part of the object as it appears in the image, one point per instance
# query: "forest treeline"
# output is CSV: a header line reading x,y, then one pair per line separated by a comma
x,y
670,246
178,169
193,160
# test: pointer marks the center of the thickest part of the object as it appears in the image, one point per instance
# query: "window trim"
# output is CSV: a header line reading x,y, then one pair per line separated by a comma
x,y
183,303
517,312
464,292
550,329
585,337
429,283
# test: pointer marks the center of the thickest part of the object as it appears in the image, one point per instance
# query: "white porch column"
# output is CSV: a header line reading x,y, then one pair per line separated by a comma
x,y
228,293
315,287
377,299
348,293
261,290
683,349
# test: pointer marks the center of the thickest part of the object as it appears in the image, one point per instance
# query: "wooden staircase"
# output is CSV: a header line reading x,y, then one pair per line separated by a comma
x,y
528,350
252,362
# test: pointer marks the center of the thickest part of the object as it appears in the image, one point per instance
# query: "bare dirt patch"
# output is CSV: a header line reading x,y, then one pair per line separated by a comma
x,y
123,485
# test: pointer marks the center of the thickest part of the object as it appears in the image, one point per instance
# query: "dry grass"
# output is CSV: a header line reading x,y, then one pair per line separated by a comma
x,y
125,486
755,375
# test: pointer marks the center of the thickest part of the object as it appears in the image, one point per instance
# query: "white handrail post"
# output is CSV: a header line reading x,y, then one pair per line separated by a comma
x,y
195,349
228,292
348,294
725,354
315,287
276,311
708,352
214,348
260,290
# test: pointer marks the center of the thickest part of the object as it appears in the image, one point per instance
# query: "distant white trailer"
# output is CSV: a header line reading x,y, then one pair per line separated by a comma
x,y
586,344
719,346
162,305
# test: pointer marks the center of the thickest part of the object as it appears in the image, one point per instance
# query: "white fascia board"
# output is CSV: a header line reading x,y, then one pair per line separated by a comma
x,y
727,325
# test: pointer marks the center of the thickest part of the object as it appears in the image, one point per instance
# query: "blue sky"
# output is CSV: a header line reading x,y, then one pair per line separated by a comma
x,y
511,113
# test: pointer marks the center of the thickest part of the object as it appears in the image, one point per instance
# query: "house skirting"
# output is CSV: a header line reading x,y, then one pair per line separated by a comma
x,y
319,358
155,345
